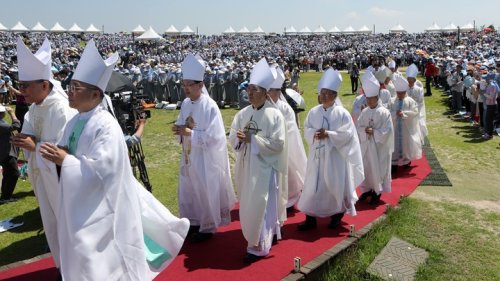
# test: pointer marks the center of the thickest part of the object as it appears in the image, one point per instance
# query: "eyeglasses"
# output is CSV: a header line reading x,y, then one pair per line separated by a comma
x,y
26,85
75,88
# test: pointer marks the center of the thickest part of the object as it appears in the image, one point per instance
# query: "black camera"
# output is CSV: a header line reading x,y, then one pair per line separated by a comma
x,y
128,108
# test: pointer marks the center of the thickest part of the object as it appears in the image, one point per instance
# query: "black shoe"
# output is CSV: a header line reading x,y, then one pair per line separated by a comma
x,y
309,223
365,195
375,198
251,258
290,209
201,237
59,276
394,168
193,229
407,165
336,221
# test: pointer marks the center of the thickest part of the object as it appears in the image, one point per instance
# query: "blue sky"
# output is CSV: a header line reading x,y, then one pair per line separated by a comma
x,y
213,17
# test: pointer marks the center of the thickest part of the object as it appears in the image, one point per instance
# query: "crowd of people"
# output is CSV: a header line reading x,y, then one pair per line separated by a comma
x,y
98,219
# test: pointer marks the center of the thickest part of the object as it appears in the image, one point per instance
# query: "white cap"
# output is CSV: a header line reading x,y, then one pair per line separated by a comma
x,y
2,108
370,85
392,64
193,68
262,75
412,71
330,80
92,69
400,83
34,66
279,77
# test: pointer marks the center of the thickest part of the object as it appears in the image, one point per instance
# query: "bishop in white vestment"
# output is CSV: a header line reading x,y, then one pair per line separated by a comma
x,y
334,164
109,226
206,194
258,136
416,92
376,137
44,122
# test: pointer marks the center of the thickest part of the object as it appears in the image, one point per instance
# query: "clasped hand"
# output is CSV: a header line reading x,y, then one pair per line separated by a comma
x,y
320,134
181,130
53,153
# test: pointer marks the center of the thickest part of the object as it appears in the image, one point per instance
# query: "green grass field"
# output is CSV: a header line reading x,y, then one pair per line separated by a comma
x,y
458,225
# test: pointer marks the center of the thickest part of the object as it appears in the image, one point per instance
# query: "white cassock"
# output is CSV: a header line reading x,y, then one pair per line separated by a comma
x,y
334,165
46,121
407,137
392,90
384,98
417,94
376,149
297,158
357,106
261,175
206,194
106,217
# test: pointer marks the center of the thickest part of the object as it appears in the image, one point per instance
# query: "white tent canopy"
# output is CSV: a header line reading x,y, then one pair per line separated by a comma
x,y
467,27
138,29
187,31
433,28
349,30
364,30
258,31
2,27
334,29
290,31
320,30
19,27
450,28
244,30
75,28
150,34
92,29
229,31
57,28
38,28
305,31
171,30
397,29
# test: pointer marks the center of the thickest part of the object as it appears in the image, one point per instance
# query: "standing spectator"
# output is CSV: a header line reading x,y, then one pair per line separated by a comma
x,y
430,72
8,154
354,75
490,95
457,86
21,105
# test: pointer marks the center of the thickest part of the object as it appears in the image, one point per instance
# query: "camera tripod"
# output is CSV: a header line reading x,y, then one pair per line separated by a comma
x,y
136,155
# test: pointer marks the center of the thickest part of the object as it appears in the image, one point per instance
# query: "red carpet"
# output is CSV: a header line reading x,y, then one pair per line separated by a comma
x,y
222,257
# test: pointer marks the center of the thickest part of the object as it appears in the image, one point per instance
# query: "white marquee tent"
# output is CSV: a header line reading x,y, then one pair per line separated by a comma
x,y
19,27
229,31
92,29
364,30
38,28
150,35
397,29
171,30
467,27
349,30
138,29
244,31
187,31
334,29
3,28
305,31
450,28
320,30
433,28
290,30
57,28
75,29
258,31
